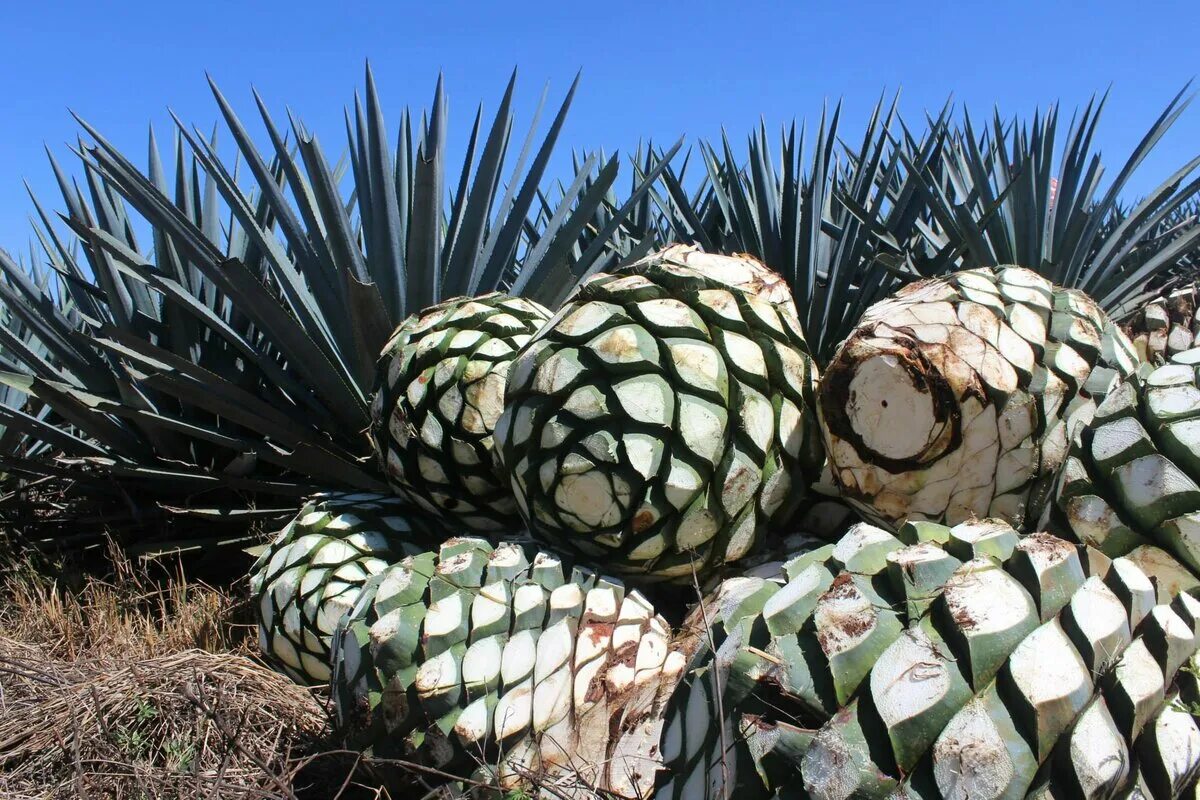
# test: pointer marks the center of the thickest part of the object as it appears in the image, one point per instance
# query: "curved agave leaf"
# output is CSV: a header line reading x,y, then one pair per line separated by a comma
x,y
837,223
235,356
1004,195
847,226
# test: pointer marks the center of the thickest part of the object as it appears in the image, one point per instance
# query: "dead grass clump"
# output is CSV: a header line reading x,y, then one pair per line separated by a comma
x,y
139,610
143,684
180,725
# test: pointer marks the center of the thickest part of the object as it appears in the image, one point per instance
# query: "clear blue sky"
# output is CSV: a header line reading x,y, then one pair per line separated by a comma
x,y
650,69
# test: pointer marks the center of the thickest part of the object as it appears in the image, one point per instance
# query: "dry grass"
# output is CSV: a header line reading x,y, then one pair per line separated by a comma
x,y
136,611
139,687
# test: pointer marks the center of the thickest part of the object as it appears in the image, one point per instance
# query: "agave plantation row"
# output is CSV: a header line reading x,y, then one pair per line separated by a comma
x,y
937,516
223,368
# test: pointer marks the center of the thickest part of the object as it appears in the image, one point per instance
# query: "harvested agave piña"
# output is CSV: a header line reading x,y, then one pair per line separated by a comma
x,y
964,662
1132,480
662,419
950,399
440,391
505,665
311,574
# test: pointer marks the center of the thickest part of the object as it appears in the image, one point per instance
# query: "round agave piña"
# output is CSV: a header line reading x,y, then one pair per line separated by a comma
x,y
965,662
1131,484
440,391
950,399
311,574
506,665
662,419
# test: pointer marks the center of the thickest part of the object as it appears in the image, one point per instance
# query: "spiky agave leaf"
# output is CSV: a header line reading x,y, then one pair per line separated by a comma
x,y
951,399
1001,196
852,223
1168,228
235,357
844,226
945,662
626,227
662,420
1132,479
441,390
506,664
20,414
312,572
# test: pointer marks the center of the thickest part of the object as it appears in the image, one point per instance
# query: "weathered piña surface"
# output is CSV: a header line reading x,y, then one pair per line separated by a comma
x,y
440,391
663,418
962,663
1166,326
1131,480
950,399
505,664
311,574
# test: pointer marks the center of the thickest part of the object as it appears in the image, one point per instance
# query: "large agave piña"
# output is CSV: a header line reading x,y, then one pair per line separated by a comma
x,y
1132,479
311,574
950,399
505,664
439,394
963,662
662,419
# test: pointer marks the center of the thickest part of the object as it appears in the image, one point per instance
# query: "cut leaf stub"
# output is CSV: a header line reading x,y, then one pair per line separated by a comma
x,y
1131,483
952,399
663,418
441,389
959,662
1166,326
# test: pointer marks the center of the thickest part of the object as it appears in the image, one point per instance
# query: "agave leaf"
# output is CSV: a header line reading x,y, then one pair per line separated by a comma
x,y
81,409
386,249
1167,118
501,248
466,242
14,418
423,259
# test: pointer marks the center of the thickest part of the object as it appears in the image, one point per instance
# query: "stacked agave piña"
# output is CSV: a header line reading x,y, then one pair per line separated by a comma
x,y
440,392
1131,486
504,664
965,662
661,421
951,399
311,573
658,426
440,389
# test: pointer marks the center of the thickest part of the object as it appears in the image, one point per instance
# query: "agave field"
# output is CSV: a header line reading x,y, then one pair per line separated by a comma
x,y
840,466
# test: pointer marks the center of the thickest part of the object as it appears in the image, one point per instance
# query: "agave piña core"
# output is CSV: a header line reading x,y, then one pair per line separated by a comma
x,y
311,574
440,392
950,399
662,419
504,664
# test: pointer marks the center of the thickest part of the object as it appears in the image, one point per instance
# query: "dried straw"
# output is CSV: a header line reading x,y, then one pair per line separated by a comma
x,y
188,724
